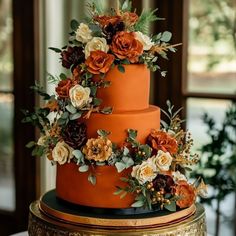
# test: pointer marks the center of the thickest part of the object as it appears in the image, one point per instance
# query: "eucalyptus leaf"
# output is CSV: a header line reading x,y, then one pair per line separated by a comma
x,y
65,115
125,151
129,162
78,155
75,116
93,90
132,133
138,204
123,194
106,110
97,101
166,36
120,166
118,191
71,109
92,179
170,207
103,133
83,168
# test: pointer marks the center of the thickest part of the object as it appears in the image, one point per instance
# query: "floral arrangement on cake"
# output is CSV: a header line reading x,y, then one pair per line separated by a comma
x,y
96,45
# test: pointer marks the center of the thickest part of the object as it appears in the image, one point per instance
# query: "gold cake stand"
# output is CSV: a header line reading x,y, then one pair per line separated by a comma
x,y
45,223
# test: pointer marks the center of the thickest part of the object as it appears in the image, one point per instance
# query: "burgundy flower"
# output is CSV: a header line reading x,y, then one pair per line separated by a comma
x,y
164,182
72,57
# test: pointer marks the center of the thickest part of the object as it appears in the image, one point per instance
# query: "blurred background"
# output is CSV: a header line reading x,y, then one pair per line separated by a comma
x,y
201,78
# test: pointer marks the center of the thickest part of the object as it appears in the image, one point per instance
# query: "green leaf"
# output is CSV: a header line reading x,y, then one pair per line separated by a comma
x,y
30,144
103,133
93,90
120,166
65,115
125,62
92,179
127,6
61,121
74,24
63,76
118,191
75,116
123,194
57,50
71,109
171,207
132,133
166,36
83,168
98,5
139,203
125,151
129,163
78,155
97,101
121,68
106,110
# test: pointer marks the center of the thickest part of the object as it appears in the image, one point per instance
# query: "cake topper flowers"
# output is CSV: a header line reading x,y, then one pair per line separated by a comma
x,y
97,45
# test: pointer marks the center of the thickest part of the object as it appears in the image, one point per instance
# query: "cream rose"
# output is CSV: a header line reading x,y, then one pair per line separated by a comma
x,y
162,160
83,33
144,40
144,172
62,153
95,44
177,176
79,96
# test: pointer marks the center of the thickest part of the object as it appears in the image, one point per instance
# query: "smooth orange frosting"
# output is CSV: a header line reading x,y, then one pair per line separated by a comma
x,y
128,91
118,123
73,186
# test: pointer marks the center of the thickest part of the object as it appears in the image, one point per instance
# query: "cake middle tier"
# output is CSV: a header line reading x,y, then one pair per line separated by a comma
x,y
119,122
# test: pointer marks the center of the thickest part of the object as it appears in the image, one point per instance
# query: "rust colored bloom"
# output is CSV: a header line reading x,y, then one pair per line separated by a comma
x,y
129,18
63,87
106,20
125,46
99,149
186,192
99,62
72,57
160,140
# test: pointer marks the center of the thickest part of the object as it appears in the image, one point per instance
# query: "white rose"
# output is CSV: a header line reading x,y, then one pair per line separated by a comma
x,y
62,153
95,44
83,33
144,172
79,96
162,160
177,176
144,40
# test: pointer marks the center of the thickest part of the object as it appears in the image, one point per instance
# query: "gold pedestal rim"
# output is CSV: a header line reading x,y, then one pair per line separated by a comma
x,y
154,221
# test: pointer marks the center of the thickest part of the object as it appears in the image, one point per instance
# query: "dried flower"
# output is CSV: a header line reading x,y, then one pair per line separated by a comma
x,y
106,20
129,18
99,149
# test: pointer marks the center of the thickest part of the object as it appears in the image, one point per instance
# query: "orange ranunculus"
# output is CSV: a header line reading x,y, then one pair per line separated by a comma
x,y
160,140
106,20
63,88
186,192
99,62
129,18
125,46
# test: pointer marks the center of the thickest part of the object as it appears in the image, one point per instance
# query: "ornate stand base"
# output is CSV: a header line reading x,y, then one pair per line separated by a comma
x,y
43,224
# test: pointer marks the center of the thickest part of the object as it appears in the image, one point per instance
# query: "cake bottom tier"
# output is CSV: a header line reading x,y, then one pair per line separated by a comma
x,y
73,186
49,217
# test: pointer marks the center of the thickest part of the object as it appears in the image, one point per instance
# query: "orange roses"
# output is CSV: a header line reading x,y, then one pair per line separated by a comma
x,y
63,88
160,140
125,46
106,20
186,192
99,62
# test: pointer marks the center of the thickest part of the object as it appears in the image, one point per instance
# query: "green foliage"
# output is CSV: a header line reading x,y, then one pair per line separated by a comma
x,y
103,133
218,164
145,19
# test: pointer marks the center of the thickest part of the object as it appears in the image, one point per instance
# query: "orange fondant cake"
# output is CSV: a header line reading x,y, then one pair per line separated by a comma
x,y
109,145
